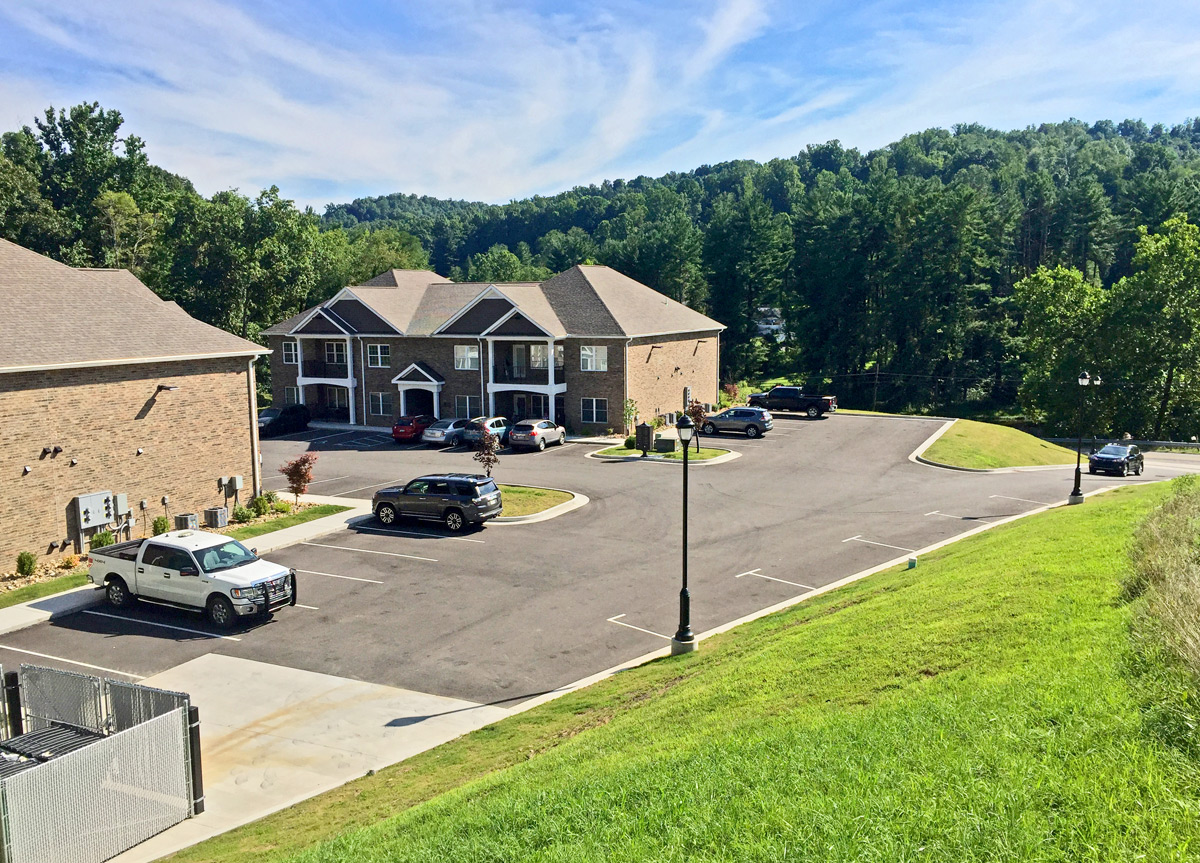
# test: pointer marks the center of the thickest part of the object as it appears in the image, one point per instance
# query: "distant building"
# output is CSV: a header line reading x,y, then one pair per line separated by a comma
x,y
768,322
572,349
106,387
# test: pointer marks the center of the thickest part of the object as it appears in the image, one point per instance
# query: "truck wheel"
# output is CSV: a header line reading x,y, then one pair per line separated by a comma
x,y
220,612
386,513
117,593
454,520
752,431
708,428
812,412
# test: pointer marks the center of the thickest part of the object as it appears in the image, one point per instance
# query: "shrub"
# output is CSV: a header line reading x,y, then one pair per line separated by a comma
x,y
68,561
299,473
241,515
101,539
26,563
631,441
260,505
161,525
282,507
271,496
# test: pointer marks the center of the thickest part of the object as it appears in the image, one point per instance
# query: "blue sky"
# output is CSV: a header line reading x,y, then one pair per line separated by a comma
x,y
500,100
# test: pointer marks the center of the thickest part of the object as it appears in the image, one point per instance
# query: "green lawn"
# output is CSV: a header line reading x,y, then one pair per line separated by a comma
x,y
43,588
972,709
290,520
984,445
523,500
704,454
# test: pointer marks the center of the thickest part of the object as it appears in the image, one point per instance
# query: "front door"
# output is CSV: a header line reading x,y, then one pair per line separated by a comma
x,y
158,574
417,402
415,500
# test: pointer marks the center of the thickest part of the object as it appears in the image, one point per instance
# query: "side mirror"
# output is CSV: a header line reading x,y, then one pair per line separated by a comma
x,y
254,551
189,570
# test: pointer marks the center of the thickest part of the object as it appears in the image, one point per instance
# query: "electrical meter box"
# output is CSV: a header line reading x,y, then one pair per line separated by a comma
x,y
121,503
235,483
96,509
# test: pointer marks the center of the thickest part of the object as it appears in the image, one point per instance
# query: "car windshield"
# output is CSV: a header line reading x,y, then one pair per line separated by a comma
x,y
268,414
1112,449
525,425
226,556
442,424
404,421
485,488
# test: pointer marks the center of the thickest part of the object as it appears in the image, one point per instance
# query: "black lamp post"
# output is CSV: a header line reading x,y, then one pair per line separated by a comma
x,y
684,640
1084,380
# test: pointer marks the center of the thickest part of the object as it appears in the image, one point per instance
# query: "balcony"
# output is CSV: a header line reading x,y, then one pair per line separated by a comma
x,y
504,373
321,369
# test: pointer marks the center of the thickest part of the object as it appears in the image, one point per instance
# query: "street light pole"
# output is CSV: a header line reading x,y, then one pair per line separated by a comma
x,y
1077,492
685,640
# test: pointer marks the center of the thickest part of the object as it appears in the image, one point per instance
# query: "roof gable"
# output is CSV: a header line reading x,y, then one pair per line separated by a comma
x,y
321,324
360,317
515,324
418,372
479,314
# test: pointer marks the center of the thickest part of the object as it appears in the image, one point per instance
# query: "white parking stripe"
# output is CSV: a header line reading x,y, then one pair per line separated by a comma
x,y
619,622
309,607
872,542
72,662
332,575
959,517
159,625
369,551
386,532
1021,499
376,485
316,481
758,574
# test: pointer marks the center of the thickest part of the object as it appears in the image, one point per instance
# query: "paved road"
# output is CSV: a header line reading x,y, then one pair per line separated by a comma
x,y
511,611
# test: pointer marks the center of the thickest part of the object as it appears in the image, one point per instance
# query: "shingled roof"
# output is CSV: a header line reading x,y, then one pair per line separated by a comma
x,y
587,301
61,317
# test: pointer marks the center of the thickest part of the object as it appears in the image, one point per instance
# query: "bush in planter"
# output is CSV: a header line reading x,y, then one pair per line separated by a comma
x,y
161,525
101,539
272,497
631,442
282,507
241,515
26,563
260,505
68,561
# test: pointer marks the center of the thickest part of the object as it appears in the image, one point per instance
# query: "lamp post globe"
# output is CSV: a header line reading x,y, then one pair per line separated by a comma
x,y
684,640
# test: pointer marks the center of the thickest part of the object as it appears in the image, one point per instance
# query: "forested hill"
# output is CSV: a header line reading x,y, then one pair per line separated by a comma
x,y
918,276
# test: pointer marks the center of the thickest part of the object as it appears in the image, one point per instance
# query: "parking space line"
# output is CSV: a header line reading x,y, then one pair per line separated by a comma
x,y
159,625
1022,499
72,662
618,622
376,485
872,542
758,574
386,532
325,437
309,607
332,575
959,517
370,551
317,481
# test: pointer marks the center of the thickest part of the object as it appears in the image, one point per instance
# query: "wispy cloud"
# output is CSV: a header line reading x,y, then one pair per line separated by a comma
x,y
490,100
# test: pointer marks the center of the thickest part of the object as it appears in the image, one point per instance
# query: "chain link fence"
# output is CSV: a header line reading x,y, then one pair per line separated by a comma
x,y
52,697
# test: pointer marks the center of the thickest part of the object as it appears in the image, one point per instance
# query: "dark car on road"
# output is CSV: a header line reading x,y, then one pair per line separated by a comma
x,y
454,499
1123,459
536,434
498,426
409,429
447,432
794,399
284,420
750,421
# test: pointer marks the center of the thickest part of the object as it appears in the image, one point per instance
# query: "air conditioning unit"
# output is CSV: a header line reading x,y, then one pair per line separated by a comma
x,y
216,516
186,521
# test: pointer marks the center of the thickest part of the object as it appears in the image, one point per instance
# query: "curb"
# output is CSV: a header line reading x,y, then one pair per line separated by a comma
x,y
577,501
55,605
730,455
917,457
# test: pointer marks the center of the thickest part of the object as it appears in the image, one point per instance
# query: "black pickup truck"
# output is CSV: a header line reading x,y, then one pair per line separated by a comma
x,y
793,399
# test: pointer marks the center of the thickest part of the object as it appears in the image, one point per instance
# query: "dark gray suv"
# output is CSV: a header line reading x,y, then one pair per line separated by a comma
x,y
751,421
455,499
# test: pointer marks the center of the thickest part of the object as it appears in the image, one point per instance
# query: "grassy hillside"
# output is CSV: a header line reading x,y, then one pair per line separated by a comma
x,y
971,709
983,445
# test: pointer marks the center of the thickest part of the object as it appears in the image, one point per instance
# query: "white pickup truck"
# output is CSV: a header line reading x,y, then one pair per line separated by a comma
x,y
195,570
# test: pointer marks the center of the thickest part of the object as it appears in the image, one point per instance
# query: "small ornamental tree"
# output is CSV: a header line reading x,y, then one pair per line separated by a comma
x,y
731,393
299,473
630,414
487,453
695,411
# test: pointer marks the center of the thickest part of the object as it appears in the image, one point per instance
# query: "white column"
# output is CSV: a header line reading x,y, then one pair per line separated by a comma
x,y
550,389
491,361
350,374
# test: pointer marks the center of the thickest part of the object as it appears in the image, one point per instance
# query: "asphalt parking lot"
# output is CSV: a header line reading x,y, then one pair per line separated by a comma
x,y
511,611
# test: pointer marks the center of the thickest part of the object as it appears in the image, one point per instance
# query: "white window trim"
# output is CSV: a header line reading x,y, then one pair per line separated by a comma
x,y
593,420
472,361
295,353
469,414
378,361
289,390
596,354
381,412
333,346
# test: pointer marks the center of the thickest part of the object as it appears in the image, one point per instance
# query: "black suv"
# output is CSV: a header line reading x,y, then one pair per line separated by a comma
x,y
285,420
1123,459
455,499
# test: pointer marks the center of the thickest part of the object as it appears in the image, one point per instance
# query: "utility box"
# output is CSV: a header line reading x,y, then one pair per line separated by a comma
x,y
95,509
665,444
216,516
644,437
235,483
121,503
186,521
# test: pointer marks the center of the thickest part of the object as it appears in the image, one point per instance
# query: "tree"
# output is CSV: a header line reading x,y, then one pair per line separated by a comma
x,y
299,473
498,264
695,411
376,251
487,451
131,229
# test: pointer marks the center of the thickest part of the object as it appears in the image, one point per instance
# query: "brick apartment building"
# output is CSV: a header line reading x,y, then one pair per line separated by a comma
x,y
105,387
572,348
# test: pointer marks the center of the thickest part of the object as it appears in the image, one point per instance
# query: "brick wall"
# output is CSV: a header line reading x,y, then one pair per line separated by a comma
x,y
608,385
101,417
661,366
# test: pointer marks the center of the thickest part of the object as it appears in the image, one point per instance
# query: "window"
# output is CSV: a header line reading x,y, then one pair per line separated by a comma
x,y
468,406
337,397
335,352
291,395
593,358
595,410
291,353
466,357
518,354
558,356
379,356
538,356
381,404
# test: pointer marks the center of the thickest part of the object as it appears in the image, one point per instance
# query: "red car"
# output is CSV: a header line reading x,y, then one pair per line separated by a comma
x,y
409,429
